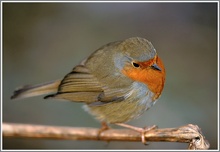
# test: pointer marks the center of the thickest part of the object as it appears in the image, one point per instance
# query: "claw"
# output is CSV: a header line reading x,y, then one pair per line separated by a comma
x,y
143,140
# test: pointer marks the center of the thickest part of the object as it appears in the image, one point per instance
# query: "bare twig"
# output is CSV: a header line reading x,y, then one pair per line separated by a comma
x,y
188,134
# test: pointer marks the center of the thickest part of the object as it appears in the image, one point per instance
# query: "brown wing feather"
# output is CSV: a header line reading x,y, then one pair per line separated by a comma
x,y
79,86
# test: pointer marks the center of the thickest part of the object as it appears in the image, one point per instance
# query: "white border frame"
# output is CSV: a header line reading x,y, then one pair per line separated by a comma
x,y
104,2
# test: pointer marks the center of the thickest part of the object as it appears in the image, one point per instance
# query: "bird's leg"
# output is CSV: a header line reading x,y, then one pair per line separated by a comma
x,y
140,130
104,127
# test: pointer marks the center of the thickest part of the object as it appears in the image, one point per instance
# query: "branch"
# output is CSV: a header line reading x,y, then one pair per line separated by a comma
x,y
187,134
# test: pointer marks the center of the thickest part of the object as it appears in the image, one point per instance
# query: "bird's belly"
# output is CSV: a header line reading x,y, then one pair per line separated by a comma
x,y
123,111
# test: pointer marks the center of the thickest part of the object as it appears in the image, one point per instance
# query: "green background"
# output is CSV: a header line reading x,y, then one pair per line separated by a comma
x,y
44,41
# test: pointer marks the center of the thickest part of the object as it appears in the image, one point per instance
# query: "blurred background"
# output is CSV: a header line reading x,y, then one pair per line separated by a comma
x,y
44,41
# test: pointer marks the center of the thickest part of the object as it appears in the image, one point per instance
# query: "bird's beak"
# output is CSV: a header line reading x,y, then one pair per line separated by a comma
x,y
156,67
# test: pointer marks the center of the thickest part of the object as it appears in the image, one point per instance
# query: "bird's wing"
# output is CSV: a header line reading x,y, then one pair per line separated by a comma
x,y
81,86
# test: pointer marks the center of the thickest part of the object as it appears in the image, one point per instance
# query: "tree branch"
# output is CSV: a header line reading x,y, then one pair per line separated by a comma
x,y
188,134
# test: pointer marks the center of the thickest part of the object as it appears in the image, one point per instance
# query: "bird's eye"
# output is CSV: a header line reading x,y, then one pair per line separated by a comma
x,y
135,65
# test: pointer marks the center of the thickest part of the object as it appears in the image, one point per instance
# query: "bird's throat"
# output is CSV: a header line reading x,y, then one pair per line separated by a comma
x,y
153,79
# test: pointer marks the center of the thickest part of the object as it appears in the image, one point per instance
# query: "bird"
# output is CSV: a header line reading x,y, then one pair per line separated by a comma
x,y
117,83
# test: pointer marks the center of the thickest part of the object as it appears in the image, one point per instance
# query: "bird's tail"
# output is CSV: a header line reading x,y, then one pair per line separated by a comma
x,y
36,90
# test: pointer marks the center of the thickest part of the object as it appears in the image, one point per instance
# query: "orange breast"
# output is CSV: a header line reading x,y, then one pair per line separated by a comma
x,y
154,79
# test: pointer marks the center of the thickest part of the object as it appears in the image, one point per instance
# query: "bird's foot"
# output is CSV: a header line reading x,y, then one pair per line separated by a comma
x,y
103,128
143,131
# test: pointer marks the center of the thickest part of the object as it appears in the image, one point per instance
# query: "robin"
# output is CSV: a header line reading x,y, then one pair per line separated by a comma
x,y
117,83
